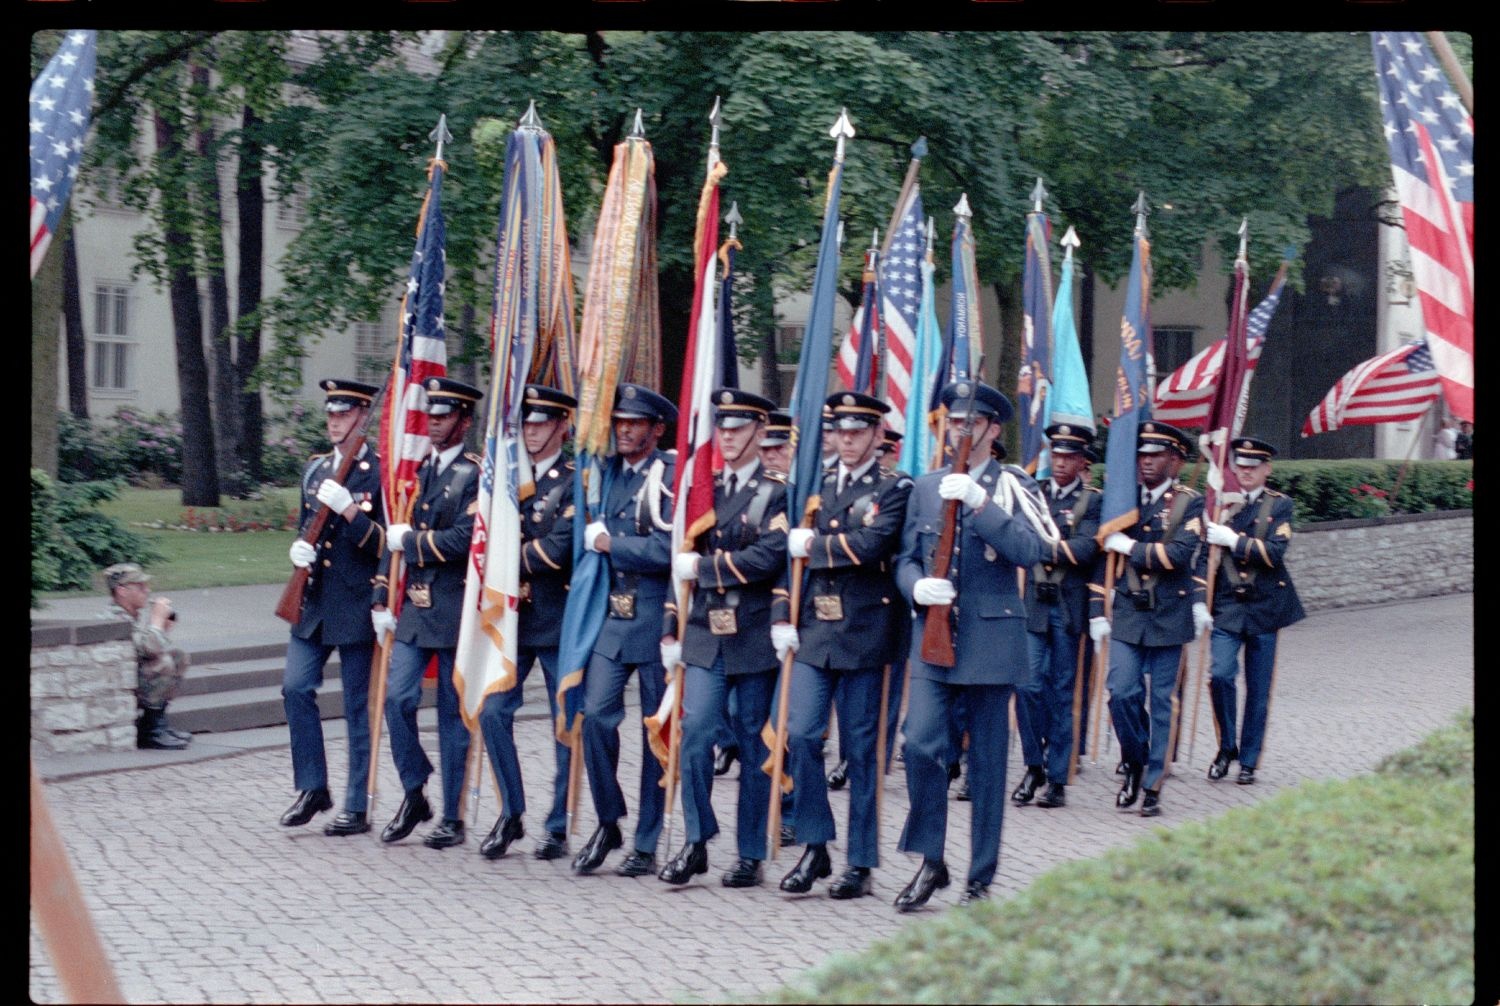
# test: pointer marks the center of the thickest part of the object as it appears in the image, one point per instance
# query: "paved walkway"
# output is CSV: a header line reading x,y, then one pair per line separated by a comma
x,y
200,897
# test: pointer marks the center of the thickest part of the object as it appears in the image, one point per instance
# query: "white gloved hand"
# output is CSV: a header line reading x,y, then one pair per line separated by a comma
x,y
1219,534
784,639
334,496
1098,630
302,554
798,540
685,565
395,536
955,486
933,590
671,655
384,622
1119,541
1202,620
591,534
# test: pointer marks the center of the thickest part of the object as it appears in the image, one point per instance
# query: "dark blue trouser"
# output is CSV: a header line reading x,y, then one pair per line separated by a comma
x,y
603,712
299,685
856,696
1044,706
706,692
1143,741
1260,664
497,721
403,695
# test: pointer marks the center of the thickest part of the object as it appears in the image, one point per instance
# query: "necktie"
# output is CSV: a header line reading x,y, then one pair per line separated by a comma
x,y
732,486
843,483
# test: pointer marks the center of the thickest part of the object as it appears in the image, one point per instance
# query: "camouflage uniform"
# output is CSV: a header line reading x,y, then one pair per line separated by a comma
x,y
159,665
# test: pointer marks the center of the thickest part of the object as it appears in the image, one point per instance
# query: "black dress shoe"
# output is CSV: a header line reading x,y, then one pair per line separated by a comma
x,y
506,830
412,812
1247,776
725,758
604,840
637,864
445,835
839,776
691,861
854,882
347,822
309,802
1220,768
1055,796
554,845
932,876
745,873
1033,777
1132,788
1151,804
814,865
975,891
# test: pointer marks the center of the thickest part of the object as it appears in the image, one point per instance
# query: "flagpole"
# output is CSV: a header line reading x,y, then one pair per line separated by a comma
x,y
1446,56
1078,677
1101,656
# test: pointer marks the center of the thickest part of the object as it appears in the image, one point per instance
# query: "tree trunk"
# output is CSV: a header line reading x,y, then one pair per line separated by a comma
x,y
78,365
46,305
251,201
200,480
226,398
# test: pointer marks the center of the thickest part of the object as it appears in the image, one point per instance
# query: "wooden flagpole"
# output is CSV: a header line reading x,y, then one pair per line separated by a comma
x,y
1456,73
783,709
575,769
1078,674
1101,657
1411,451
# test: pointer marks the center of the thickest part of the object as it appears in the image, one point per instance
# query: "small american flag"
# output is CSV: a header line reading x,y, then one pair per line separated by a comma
x,y
61,99
1394,387
901,297
1184,397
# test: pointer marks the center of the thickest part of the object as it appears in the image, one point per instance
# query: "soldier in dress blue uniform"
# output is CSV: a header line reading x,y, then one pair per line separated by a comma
x,y
1159,605
740,600
850,625
634,530
436,549
1057,599
1253,600
546,565
341,566
888,457
989,641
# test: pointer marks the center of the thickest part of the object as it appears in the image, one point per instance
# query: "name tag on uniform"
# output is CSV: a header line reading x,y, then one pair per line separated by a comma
x,y
828,607
622,605
419,594
722,621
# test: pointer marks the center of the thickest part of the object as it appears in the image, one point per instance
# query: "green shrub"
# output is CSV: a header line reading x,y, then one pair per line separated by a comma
x,y
71,539
301,433
85,452
149,444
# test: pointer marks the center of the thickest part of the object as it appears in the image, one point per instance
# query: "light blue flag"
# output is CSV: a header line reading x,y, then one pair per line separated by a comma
x,y
916,446
1069,401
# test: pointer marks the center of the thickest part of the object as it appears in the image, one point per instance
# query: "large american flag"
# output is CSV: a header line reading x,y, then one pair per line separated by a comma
x,y
901,297
1393,387
61,99
1431,140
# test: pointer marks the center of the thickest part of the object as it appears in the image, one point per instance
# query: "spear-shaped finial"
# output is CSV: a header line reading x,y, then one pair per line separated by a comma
x,y
931,236
919,149
638,131
962,209
733,219
1244,237
1069,242
530,120
1037,195
841,130
875,239
441,135
1141,210
714,118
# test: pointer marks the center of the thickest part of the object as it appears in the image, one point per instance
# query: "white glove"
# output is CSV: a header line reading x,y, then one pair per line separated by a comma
x,y
1119,541
302,554
1218,534
334,496
933,590
962,487
395,536
685,565
1098,630
1202,620
798,540
384,622
784,639
671,655
591,534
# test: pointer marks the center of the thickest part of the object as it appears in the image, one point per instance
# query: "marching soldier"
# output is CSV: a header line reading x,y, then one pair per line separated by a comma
x,y
341,567
989,640
739,605
436,550
849,628
1056,609
776,444
159,666
1158,606
1253,600
546,564
634,530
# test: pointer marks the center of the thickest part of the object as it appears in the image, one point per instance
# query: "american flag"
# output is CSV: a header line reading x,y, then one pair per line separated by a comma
x,y
1391,388
1431,140
61,99
901,297
856,361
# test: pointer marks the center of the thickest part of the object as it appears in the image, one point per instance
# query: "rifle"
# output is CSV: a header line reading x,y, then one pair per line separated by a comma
x,y
289,608
937,631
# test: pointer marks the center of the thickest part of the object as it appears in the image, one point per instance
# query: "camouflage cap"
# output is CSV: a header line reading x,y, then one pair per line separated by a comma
x,y
122,573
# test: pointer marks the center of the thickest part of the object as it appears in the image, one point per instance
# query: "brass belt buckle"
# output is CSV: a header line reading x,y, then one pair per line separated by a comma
x,y
622,605
722,621
419,594
828,607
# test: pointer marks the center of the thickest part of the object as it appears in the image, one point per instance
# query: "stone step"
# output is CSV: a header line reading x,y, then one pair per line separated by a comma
x,y
246,708
228,677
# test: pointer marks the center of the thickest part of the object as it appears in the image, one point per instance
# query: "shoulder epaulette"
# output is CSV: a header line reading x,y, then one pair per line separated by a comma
x,y
776,477
478,459
1188,491
320,457
1273,492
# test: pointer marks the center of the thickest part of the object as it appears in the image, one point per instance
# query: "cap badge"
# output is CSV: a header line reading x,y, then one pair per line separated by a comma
x,y
726,397
847,400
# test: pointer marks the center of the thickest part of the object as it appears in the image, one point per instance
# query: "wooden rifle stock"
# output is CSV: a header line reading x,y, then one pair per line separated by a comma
x,y
937,632
289,608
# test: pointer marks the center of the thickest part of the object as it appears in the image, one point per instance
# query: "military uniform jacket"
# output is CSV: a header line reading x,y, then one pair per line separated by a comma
x,y
989,619
640,563
546,556
743,570
437,553
1071,559
1170,572
336,602
851,574
1266,601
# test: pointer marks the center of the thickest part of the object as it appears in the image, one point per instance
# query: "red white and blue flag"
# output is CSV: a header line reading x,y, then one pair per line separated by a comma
x,y
901,299
1394,387
856,362
61,99
1431,141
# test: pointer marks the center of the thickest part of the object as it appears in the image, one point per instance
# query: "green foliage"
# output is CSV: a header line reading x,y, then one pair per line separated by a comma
x,y
1363,891
300,433
86,451
71,538
129,445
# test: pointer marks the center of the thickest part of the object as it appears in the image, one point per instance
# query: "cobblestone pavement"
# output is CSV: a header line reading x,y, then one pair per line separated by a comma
x,y
200,897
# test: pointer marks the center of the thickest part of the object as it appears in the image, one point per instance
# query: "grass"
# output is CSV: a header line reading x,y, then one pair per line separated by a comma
x,y
1353,891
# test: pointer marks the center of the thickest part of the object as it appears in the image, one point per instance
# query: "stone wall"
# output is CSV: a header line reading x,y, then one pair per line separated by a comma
x,y
82,687
1348,562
